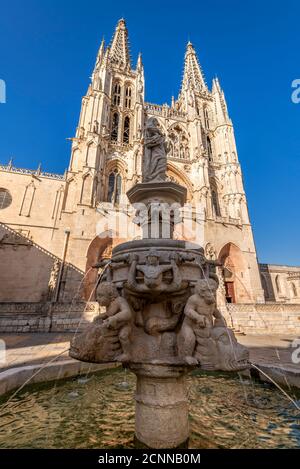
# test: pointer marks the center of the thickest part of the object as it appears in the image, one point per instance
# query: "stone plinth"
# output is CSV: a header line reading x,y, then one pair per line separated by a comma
x,y
166,191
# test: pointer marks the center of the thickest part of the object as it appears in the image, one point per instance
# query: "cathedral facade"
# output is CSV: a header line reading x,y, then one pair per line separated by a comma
x,y
49,232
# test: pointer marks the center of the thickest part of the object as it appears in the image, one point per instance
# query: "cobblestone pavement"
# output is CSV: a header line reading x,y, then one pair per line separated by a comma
x,y
28,349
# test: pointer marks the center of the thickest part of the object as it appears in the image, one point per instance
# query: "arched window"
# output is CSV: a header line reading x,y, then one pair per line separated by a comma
x,y
265,286
126,131
115,126
5,198
181,154
179,145
114,187
128,94
117,94
206,118
215,202
209,148
118,190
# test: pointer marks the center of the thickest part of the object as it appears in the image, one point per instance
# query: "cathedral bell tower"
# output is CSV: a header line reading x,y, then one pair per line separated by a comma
x,y
110,126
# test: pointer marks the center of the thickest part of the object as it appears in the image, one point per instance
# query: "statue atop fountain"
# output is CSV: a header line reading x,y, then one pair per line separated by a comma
x,y
161,317
155,152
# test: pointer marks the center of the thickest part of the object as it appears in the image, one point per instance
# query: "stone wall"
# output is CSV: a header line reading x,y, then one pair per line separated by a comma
x,y
281,283
46,317
270,318
30,273
67,317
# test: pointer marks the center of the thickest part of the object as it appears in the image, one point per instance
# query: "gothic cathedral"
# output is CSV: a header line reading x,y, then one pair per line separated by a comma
x,y
61,213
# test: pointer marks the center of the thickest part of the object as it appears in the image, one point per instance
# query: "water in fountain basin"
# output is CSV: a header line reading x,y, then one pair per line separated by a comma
x,y
102,414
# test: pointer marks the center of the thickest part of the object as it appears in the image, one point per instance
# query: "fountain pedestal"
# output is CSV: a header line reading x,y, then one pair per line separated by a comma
x,y
161,406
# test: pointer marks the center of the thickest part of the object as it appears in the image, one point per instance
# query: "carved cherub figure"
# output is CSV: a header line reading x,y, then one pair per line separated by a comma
x,y
199,312
153,273
118,316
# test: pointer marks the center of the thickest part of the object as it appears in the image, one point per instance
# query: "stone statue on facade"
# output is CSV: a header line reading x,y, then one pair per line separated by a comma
x,y
155,149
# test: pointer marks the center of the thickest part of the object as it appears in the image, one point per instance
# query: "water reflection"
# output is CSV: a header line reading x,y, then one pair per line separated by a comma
x,y
99,413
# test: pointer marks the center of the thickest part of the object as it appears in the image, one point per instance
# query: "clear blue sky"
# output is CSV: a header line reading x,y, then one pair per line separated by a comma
x,y
48,49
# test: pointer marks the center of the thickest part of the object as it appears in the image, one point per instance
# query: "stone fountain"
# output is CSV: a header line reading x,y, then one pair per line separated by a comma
x,y
161,318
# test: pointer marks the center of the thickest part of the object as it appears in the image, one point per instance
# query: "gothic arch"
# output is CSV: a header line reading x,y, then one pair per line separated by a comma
x,y
70,194
264,283
294,290
178,141
115,166
174,173
180,126
27,201
118,164
278,284
100,248
215,196
87,189
74,166
95,252
89,148
128,94
235,274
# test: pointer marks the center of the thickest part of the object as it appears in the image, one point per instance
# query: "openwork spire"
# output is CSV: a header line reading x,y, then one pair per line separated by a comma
x,y
192,77
119,51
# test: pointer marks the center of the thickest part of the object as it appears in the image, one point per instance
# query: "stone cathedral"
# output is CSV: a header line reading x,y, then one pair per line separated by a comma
x,y
49,243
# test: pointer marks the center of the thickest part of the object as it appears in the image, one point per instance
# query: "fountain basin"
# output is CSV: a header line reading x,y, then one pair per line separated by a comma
x,y
102,415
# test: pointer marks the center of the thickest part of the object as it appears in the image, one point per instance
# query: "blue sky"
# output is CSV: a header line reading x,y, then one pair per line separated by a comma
x,y
48,49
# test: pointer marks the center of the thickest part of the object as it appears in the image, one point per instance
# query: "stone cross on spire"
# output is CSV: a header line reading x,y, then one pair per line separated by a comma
x,y
119,50
192,77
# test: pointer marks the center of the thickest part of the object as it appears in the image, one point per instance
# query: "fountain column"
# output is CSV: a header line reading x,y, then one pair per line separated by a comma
x,y
161,406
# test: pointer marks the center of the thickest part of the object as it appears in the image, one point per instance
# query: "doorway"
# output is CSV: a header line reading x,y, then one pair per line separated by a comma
x,y
229,292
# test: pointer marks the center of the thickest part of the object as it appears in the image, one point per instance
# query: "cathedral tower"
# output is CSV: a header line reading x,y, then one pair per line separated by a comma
x,y
107,152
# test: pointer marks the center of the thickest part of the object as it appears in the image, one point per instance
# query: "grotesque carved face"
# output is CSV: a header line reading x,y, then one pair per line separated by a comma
x,y
152,257
152,260
221,351
232,356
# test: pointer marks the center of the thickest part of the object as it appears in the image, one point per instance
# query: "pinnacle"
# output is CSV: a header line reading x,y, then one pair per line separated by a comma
x,y
119,52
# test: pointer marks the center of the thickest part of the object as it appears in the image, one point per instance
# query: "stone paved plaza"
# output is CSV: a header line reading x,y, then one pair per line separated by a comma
x,y
28,349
